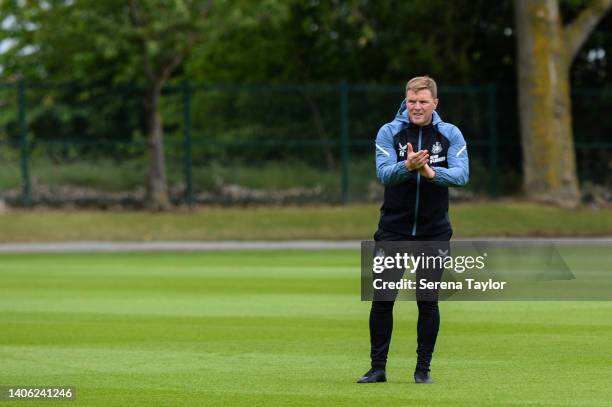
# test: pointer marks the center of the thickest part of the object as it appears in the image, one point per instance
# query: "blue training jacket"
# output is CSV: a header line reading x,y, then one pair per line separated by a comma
x,y
413,205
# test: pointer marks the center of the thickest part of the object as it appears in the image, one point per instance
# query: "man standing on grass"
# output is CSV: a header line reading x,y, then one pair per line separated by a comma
x,y
418,156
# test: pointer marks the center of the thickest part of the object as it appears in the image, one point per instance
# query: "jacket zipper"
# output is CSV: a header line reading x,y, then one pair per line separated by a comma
x,y
416,205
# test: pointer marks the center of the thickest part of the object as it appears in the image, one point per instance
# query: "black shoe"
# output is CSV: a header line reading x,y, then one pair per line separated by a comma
x,y
373,376
422,377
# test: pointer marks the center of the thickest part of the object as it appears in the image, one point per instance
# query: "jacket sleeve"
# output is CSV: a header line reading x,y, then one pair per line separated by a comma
x,y
458,171
388,170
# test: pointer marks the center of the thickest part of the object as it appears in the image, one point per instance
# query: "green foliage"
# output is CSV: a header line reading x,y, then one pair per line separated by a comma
x,y
364,41
124,41
269,41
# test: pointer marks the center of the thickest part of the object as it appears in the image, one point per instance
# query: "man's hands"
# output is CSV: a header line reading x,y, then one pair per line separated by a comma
x,y
427,172
416,160
419,161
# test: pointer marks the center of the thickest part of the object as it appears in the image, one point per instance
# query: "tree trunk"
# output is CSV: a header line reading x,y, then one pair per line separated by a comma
x,y
549,162
546,49
323,136
157,188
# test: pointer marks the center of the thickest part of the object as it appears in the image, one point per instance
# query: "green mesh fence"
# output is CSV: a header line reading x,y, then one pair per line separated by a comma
x,y
224,144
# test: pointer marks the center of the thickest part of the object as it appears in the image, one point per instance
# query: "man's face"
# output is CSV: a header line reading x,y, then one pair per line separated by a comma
x,y
420,106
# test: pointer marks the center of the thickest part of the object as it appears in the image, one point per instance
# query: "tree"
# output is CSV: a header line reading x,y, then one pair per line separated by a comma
x,y
131,44
165,32
545,50
140,42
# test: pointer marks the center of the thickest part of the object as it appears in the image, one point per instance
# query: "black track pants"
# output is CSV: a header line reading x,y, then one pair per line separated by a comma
x,y
381,317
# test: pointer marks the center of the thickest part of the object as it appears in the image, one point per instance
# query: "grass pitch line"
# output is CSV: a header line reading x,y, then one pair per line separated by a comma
x,y
191,246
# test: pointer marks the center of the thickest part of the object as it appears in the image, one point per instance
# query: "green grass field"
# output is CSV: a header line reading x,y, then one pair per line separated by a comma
x,y
470,219
276,328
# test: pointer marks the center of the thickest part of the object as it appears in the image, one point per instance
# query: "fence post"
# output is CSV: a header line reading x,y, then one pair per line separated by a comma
x,y
186,90
492,96
26,186
344,142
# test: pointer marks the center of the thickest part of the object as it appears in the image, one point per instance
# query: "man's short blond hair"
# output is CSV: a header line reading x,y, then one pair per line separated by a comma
x,y
422,82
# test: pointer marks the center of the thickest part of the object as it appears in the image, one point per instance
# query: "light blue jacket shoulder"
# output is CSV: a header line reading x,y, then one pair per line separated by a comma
x,y
388,170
